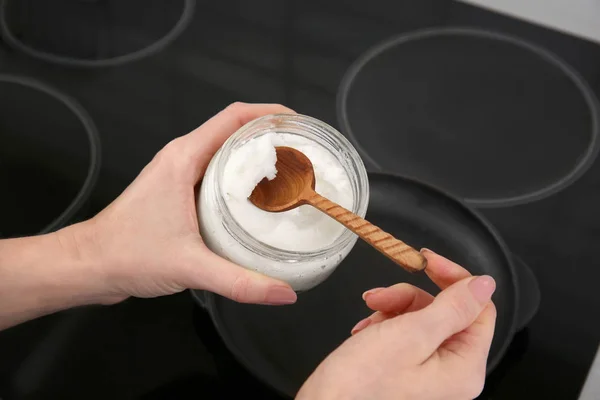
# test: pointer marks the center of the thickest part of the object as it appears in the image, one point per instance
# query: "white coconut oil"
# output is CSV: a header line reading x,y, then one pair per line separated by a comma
x,y
301,246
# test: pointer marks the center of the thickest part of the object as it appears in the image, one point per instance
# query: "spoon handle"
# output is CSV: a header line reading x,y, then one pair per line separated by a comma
x,y
396,250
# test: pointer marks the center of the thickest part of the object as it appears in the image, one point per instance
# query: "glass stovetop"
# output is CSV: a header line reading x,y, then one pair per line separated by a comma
x,y
294,53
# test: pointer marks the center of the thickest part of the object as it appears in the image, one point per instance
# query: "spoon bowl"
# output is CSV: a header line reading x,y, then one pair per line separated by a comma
x,y
295,180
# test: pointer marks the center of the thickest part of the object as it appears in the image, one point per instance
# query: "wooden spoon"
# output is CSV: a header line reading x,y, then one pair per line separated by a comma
x,y
294,185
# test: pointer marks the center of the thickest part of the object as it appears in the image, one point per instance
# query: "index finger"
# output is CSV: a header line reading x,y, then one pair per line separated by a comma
x,y
442,271
475,340
205,140
214,132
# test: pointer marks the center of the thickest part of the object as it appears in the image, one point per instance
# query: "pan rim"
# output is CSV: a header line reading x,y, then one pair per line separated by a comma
x,y
586,159
209,301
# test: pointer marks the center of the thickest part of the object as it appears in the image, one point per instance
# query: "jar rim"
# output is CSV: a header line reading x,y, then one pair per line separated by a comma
x,y
360,187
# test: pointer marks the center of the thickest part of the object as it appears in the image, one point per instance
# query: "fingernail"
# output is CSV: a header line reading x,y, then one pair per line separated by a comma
x,y
370,292
425,250
280,295
361,325
482,288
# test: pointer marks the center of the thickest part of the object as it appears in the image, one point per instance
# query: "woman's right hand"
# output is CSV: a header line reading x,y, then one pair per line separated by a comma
x,y
415,346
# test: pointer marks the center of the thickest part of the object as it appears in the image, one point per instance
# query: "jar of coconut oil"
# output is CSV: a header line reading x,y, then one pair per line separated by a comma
x,y
301,246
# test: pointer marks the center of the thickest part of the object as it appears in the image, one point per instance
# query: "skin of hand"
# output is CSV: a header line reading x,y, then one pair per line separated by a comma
x,y
415,346
148,239
145,244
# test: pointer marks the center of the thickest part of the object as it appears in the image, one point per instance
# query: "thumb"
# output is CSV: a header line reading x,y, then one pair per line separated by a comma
x,y
223,277
454,309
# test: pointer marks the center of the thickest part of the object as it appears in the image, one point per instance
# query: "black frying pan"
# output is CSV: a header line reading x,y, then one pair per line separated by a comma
x,y
283,345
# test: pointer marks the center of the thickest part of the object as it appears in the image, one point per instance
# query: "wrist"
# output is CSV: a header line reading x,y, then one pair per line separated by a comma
x,y
47,273
84,259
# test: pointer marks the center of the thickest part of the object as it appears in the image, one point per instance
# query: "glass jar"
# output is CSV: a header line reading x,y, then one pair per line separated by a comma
x,y
223,235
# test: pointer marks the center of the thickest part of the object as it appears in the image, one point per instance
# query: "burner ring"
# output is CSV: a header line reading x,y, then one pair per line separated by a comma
x,y
94,146
381,158
6,34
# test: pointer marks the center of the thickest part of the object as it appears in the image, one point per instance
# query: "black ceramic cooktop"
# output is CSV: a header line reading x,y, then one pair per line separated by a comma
x,y
147,71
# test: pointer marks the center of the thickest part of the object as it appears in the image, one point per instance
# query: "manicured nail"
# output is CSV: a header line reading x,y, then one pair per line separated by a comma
x,y
370,292
280,295
482,288
361,325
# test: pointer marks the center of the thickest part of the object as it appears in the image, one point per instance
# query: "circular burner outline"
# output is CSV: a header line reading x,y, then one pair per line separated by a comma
x,y
186,17
576,172
94,145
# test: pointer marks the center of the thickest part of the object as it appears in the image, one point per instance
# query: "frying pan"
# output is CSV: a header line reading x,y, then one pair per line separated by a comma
x,y
283,345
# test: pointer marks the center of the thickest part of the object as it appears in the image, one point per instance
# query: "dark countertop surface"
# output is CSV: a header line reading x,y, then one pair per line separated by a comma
x,y
293,53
